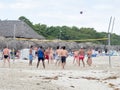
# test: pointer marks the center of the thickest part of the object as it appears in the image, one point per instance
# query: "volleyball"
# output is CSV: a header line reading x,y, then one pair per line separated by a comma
x,y
81,12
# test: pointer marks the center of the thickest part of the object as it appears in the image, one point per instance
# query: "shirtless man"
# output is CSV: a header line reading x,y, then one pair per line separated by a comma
x,y
6,55
89,55
47,53
81,56
64,54
58,56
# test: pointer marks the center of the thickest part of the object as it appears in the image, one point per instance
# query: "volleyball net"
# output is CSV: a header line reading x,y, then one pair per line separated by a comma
x,y
81,40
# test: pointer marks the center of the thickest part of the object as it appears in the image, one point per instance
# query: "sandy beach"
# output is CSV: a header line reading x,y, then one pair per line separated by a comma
x,y
99,76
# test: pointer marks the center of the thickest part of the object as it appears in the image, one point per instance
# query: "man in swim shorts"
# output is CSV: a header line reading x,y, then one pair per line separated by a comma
x,y
6,55
81,56
64,55
41,57
58,56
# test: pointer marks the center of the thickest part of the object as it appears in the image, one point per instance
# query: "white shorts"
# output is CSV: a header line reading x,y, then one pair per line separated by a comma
x,y
57,57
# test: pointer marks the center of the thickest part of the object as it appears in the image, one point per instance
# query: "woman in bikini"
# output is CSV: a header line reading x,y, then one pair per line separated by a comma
x,y
76,55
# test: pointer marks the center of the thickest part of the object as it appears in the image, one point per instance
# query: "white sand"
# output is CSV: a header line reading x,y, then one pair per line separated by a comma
x,y
99,76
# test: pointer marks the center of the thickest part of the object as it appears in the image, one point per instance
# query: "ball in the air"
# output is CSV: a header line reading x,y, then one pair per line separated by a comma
x,y
81,12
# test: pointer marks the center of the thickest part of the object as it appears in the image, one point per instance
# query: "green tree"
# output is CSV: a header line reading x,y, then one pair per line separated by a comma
x,y
71,33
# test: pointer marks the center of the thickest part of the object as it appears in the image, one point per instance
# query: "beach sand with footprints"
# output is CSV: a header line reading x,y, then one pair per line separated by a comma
x,y
99,76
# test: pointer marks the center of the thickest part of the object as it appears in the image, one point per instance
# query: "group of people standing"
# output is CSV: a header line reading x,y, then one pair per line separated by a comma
x,y
60,55
79,55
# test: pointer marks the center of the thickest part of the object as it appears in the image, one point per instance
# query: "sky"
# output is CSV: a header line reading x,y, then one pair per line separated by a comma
x,y
96,13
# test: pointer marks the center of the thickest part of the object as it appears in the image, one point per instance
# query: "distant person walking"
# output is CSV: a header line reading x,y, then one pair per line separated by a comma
x,y
41,57
6,56
64,55
30,55
89,57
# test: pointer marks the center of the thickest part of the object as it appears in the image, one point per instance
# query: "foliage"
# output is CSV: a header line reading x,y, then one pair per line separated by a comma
x,y
70,33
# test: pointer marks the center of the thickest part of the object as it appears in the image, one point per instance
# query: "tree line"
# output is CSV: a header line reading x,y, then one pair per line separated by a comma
x,y
71,33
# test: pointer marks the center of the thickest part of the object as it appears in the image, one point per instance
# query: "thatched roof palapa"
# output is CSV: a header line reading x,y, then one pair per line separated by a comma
x,y
19,29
